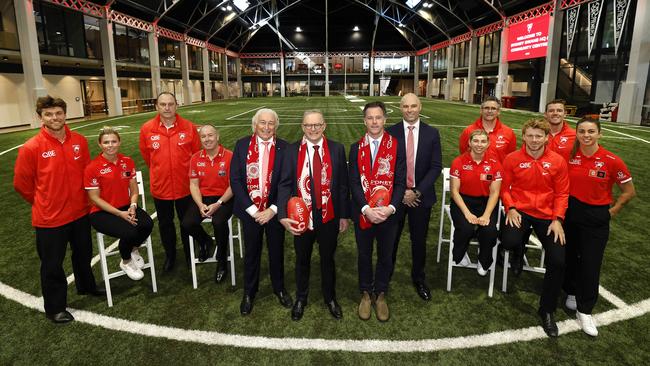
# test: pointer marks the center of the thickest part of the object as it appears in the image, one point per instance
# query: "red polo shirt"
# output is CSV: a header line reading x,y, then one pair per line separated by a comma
x,y
537,187
475,178
213,175
562,142
49,175
592,177
502,139
112,180
167,152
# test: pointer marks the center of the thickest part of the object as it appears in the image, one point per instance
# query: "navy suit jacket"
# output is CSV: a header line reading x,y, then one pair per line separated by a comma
x,y
358,197
339,185
238,176
428,160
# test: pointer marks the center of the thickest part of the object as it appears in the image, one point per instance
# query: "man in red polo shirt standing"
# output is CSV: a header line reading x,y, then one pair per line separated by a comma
x,y
561,137
167,143
502,139
49,175
535,193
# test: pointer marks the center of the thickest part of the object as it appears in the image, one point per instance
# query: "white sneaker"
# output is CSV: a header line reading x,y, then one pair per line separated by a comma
x,y
479,268
132,270
465,262
571,302
137,258
586,321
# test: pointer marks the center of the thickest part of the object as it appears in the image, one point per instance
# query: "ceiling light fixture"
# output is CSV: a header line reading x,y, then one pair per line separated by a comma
x,y
229,8
401,25
356,28
242,5
298,29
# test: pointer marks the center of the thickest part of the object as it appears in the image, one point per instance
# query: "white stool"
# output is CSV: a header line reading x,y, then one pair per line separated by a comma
x,y
104,252
213,259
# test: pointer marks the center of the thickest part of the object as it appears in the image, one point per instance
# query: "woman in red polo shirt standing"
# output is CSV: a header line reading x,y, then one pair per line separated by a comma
x,y
210,189
113,190
592,173
475,185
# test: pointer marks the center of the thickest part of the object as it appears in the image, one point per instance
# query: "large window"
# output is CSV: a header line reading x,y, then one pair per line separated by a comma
x,y
170,53
440,59
131,45
195,55
260,66
215,61
424,63
8,30
488,48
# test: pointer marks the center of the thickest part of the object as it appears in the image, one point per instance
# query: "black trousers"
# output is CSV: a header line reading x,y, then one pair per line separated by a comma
x,y
192,224
130,236
165,211
464,231
512,239
326,235
51,245
587,233
418,229
253,242
385,234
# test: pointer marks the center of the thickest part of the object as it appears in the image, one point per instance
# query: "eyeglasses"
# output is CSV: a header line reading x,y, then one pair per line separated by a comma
x,y
314,127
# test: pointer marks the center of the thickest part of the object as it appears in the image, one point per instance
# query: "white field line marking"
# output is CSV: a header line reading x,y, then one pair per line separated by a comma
x,y
248,111
320,344
13,148
611,298
625,134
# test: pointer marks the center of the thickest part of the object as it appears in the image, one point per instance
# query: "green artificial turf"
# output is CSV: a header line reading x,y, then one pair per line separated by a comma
x,y
27,338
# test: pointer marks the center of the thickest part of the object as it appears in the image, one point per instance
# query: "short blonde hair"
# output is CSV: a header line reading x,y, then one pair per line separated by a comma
x,y
107,130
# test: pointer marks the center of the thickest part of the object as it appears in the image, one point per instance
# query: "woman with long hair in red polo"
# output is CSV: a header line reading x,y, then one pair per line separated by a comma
x,y
592,172
112,188
475,185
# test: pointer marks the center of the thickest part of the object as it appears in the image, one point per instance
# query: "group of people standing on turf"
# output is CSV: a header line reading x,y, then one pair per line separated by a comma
x,y
555,184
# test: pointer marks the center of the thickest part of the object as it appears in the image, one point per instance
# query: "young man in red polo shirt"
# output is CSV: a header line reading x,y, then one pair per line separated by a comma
x,y
502,139
535,193
212,195
167,143
49,175
561,136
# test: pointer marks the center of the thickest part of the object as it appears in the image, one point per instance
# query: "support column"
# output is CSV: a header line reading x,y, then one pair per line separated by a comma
x,y
430,75
551,69
206,75
185,74
450,72
471,71
226,92
240,85
634,87
154,61
31,60
416,75
282,84
327,74
502,80
371,89
113,95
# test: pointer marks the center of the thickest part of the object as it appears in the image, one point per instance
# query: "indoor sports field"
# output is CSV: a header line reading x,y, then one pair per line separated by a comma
x,y
180,325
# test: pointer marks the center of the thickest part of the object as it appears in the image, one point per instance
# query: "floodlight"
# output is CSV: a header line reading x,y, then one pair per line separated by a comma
x,y
298,29
356,28
241,4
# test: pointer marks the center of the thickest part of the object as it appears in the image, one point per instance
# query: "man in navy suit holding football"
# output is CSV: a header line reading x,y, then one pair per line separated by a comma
x,y
314,169
423,166
254,176
377,170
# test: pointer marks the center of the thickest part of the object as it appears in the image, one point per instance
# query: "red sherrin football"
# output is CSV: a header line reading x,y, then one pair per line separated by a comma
x,y
297,210
379,197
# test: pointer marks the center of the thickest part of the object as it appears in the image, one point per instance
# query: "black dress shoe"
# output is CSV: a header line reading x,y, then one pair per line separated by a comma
x,y
203,252
97,291
298,309
423,291
548,323
169,264
221,273
517,264
246,306
335,309
284,298
60,318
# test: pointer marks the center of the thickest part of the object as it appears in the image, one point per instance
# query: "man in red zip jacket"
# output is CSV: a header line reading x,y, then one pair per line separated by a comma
x,y
535,193
167,143
49,175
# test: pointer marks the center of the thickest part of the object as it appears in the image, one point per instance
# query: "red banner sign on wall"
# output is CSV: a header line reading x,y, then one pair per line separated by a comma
x,y
528,39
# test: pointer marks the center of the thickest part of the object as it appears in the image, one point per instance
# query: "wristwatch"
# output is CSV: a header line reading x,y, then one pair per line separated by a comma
x,y
416,192
220,202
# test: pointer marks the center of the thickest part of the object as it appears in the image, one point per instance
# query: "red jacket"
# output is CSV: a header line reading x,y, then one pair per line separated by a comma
x,y
168,153
537,187
562,142
49,175
502,139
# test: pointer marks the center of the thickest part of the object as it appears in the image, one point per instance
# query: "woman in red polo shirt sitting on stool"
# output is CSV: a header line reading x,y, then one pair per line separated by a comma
x,y
113,190
592,173
210,188
475,184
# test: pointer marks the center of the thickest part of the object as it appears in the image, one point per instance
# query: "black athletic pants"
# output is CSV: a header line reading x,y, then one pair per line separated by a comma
x,y
130,236
192,224
464,231
165,211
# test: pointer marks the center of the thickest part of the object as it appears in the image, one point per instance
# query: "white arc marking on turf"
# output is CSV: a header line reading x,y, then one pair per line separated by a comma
x,y
320,344
625,134
248,111
611,298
